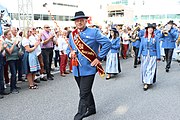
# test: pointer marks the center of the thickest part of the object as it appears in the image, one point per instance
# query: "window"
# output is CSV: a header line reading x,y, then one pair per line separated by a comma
x,y
145,17
171,16
178,16
60,18
14,16
111,13
66,18
152,17
36,16
162,16
45,17
157,16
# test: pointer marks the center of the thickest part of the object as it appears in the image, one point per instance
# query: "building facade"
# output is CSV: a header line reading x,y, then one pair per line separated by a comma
x,y
62,11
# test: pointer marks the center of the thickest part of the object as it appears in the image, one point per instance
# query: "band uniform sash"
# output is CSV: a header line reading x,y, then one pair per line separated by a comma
x,y
86,51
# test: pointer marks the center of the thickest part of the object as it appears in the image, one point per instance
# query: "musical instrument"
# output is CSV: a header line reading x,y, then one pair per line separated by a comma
x,y
178,40
166,29
135,34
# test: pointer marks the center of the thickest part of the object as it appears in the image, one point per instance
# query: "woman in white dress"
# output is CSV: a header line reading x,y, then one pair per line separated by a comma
x,y
30,60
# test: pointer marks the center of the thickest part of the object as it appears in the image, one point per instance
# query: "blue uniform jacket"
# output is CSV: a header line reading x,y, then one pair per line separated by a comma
x,y
93,38
170,40
137,42
115,45
157,33
154,47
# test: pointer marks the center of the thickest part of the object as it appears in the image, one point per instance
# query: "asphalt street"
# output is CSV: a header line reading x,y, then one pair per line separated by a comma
x,y
120,98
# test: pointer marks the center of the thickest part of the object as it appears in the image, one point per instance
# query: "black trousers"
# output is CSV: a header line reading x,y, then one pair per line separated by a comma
x,y
57,58
136,50
86,102
47,54
168,57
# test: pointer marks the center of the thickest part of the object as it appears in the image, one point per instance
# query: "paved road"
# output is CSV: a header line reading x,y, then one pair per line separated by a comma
x,y
121,98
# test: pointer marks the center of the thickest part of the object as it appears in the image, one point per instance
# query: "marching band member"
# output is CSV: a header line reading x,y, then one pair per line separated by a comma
x,y
113,61
157,32
136,43
150,52
84,72
169,36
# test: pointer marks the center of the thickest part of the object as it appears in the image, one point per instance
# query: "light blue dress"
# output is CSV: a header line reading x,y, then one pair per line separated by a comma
x,y
112,61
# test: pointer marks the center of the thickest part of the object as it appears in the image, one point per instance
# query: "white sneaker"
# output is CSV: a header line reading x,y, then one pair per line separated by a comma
x,y
5,86
56,68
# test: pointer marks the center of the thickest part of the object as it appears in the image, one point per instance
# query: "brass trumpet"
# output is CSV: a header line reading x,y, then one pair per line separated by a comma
x,y
166,30
135,34
178,40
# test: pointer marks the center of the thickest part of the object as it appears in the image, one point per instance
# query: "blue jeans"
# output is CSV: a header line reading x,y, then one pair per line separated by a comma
x,y
19,68
13,69
1,73
1,79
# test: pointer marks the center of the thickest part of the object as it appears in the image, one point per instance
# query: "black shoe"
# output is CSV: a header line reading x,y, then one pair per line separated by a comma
x,y
66,72
22,80
1,96
50,78
145,87
5,93
78,116
18,88
167,70
51,75
15,91
88,113
135,66
37,74
43,79
108,77
37,81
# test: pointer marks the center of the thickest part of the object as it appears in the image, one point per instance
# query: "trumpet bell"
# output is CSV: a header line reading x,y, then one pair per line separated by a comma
x,y
165,33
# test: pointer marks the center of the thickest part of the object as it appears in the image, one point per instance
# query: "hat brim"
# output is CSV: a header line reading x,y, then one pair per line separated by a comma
x,y
150,27
78,17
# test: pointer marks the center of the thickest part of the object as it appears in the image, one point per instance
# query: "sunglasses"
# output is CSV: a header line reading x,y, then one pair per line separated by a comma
x,y
47,27
34,29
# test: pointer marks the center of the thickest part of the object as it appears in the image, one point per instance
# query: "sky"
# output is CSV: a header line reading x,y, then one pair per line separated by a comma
x,y
92,6
90,3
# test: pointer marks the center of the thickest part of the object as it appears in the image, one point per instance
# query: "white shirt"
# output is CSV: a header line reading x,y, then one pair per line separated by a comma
x,y
25,42
56,40
16,38
33,39
62,45
125,38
